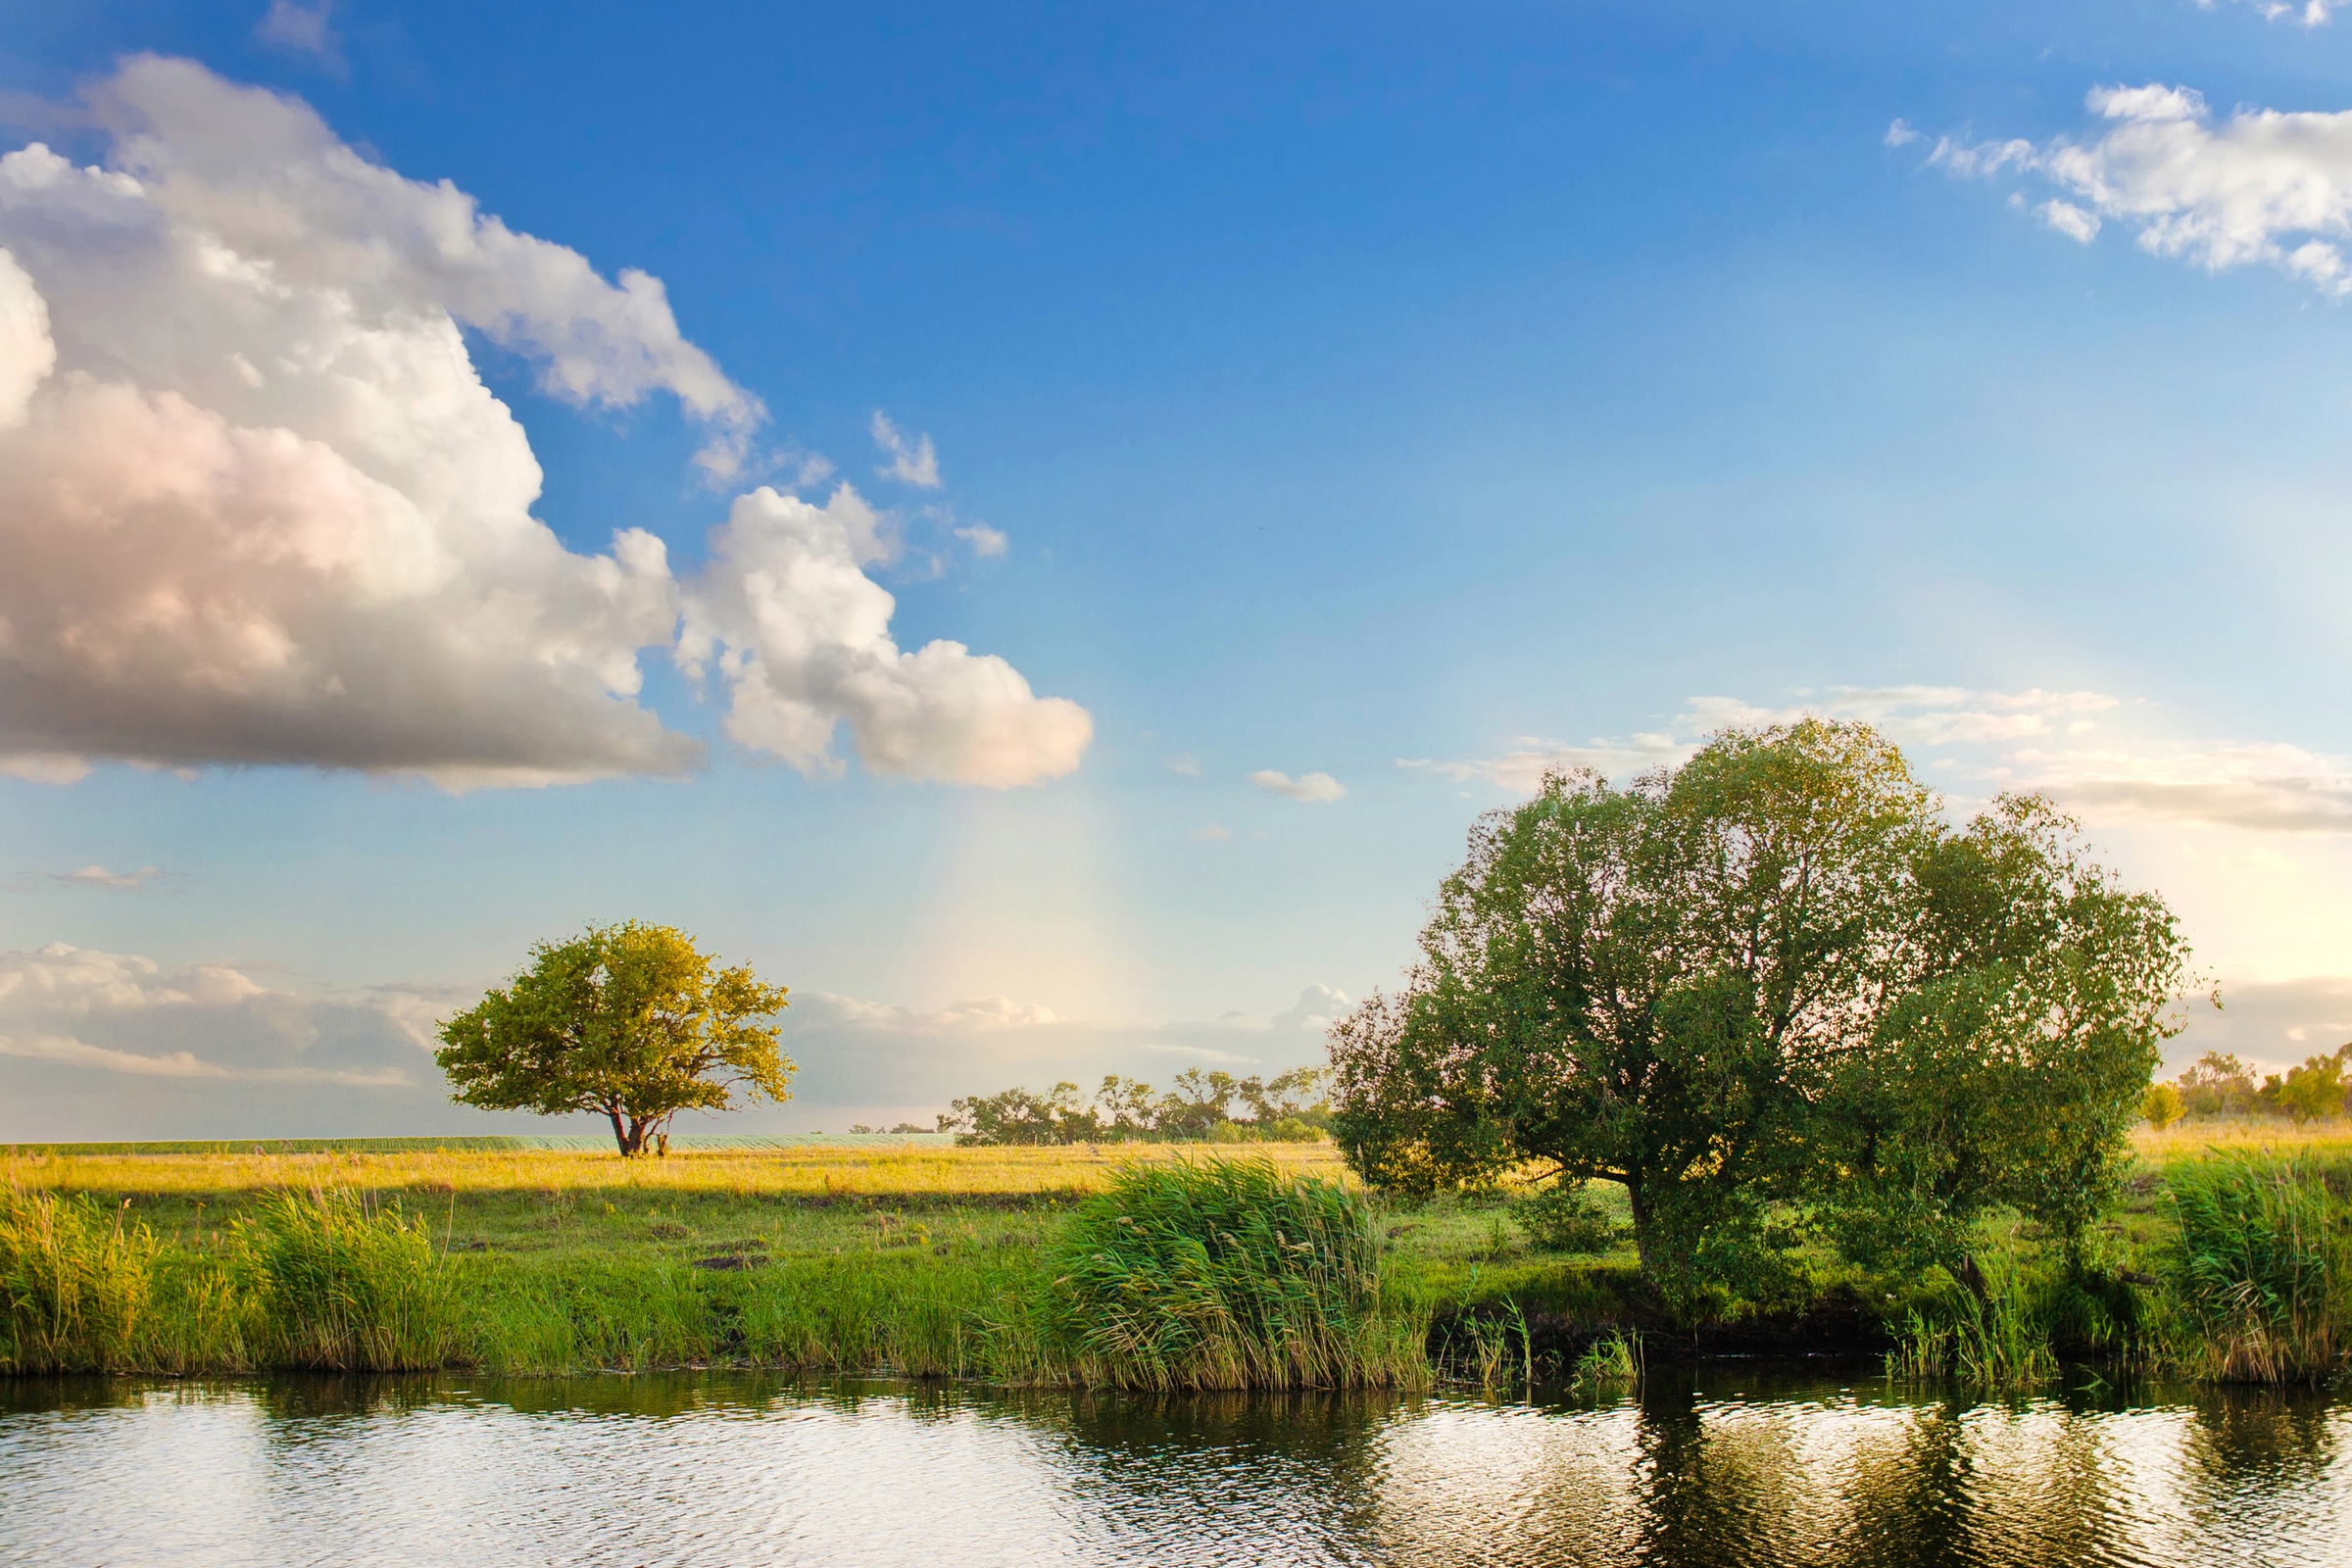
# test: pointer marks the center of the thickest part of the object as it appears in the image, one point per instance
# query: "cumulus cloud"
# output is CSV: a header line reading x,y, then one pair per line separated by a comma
x,y
257,505
2259,187
1315,789
801,636
913,462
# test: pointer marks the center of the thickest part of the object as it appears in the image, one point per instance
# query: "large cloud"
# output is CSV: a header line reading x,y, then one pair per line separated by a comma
x,y
257,505
2261,186
802,637
111,1045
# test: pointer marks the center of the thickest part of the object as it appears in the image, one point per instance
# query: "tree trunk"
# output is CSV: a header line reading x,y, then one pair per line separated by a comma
x,y
629,1136
1633,1193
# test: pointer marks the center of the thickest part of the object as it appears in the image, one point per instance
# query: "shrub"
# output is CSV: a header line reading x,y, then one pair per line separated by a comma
x,y
345,1286
75,1282
1564,1218
1224,1274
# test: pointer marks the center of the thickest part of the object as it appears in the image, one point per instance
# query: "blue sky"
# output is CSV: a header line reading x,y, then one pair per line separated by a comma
x,y
1403,394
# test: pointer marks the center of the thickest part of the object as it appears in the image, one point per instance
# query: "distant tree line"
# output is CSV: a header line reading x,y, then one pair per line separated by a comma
x,y
2219,1085
1202,1108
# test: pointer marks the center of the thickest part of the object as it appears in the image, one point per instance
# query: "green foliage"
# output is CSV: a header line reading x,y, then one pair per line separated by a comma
x,y
2313,1090
1199,1109
1773,980
343,1284
2257,1267
1227,1275
74,1285
628,1021
1562,1217
2160,1106
2218,1085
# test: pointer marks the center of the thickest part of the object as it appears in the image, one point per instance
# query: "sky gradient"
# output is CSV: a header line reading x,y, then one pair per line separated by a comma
x,y
1041,530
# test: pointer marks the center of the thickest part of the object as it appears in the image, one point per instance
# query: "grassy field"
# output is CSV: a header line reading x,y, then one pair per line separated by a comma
x,y
916,1259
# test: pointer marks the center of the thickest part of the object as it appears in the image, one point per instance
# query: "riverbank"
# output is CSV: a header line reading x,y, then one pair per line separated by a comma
x,y
923,1262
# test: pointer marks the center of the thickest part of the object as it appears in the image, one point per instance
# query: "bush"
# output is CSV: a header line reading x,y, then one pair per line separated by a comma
x,y
345,1286
1564,1218
1227,1275
75,1282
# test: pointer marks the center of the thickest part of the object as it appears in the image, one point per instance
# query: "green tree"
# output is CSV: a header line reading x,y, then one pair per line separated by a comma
x,y
628,1021
2218,1085
2317,1087
2160,1106
1771,975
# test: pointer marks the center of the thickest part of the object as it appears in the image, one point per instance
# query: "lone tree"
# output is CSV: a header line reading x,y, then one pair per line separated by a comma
x,y
1770,984
630,1020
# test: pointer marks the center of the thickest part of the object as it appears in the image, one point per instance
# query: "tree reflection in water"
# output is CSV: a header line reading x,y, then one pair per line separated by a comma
x,y
1734,1465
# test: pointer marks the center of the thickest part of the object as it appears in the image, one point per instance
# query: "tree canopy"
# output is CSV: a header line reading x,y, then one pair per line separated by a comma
x,y
1773,980
631,1021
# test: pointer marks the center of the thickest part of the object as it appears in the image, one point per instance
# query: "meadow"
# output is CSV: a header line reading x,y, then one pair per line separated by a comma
x,y
931,1260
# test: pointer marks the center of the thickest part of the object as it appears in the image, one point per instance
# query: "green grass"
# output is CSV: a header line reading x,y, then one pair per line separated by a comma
x,y
931,1261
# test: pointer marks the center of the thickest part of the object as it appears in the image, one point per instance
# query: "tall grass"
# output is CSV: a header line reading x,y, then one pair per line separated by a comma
x,y
1994,1340
1227,1274
2258,1268
342,1284
75,1283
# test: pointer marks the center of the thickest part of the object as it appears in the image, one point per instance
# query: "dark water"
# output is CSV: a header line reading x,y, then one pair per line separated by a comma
x,y
1725,1467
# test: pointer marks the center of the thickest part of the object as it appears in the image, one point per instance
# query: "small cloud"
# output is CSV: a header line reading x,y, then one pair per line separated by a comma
x,y
1900,134
2071,220
45,767
98,877
984,540
914,462
301,29
1213,834
1312,788
1185,763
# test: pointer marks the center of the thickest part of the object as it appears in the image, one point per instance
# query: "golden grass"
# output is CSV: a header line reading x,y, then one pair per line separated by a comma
x,y
811,1172
2242,1135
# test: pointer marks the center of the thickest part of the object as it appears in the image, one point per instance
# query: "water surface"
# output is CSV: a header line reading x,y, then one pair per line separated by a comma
x,y
1728,1466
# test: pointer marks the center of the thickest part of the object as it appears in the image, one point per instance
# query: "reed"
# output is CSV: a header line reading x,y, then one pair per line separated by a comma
x,y
341,1283
1229,1274
2256,1268
1998,1338
75,1283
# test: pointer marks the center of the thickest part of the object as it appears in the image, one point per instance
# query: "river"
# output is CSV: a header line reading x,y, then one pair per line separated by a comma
x,y
1735,1465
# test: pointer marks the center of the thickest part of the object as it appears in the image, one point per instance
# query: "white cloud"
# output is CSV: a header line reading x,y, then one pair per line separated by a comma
x,y
914,462
801,636
123,1016
1312,788
1900,134
2260,186
2071,220
1213,833
1184,762
986,542
2311,13
98,877
301,29
2262,788
258,507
